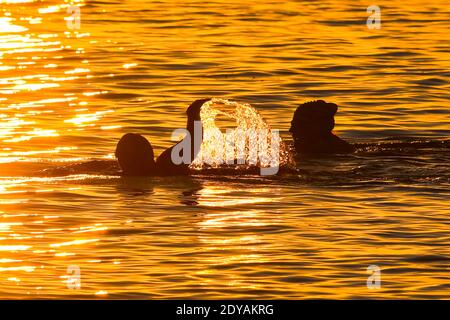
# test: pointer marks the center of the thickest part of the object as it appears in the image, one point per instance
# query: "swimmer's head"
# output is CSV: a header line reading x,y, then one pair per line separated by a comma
x,y
135,155
313,118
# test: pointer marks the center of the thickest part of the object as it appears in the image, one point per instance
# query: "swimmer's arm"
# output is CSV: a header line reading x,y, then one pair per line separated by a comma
x,y
164,162
193,114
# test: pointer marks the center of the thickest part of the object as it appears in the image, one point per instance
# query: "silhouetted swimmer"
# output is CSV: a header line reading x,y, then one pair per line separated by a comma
x,y
311,129
135,153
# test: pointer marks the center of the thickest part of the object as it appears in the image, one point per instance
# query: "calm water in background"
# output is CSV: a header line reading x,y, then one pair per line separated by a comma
x,y
134,66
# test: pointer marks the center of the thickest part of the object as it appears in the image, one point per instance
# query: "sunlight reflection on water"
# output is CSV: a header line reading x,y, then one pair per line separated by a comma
x,y
67,96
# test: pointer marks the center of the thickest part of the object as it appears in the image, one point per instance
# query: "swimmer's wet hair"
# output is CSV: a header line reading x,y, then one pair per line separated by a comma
x,y
313,117
319,107
135,155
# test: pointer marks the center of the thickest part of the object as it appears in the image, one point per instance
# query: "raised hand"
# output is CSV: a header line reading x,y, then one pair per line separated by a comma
x,y
193,111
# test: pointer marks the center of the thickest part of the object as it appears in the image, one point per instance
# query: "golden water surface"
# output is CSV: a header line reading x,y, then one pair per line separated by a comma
x,y
67,94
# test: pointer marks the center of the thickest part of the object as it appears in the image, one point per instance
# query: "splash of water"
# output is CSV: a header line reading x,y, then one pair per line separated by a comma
x,y
250,143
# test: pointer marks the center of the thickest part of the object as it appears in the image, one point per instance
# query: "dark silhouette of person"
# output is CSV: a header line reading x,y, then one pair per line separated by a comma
x,y
135,155
312,127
